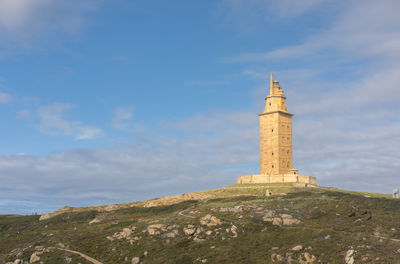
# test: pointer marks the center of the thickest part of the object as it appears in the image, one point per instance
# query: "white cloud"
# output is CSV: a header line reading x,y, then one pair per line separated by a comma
x,y
122,117
21,21
4,98
251,15
24,113
53,122
366,29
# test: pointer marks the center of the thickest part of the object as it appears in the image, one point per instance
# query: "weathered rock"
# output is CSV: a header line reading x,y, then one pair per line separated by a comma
x,y
234,230
34,258
269,213
39,248
209,232
289,220
349,258
135,260
198,230
210,220
67,259
155,229
94,221
283,219
276,257
172,234
297,248
236,209
277,221
196,239
189,230
175,226
126,233
18,261
309,258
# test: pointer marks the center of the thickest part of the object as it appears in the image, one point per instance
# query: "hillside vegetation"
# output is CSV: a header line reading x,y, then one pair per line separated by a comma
x,y
237,224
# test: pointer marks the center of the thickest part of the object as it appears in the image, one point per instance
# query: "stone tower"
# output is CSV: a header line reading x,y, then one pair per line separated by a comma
x,y
276,133
276,158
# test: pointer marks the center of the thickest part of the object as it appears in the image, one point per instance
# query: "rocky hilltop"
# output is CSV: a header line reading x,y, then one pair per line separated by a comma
x,y
237,224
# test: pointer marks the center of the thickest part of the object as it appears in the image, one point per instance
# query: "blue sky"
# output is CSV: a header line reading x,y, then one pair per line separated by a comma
x,y
117,101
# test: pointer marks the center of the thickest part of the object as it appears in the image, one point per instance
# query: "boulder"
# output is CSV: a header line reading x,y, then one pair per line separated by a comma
x,y
349,259
297,248
276,257
126,232
196,239
210,220
283,219
39,248
289,220
135,260
34,258
198,230
94,221
155,229
269,213
309,258
234,230
189,230
172,234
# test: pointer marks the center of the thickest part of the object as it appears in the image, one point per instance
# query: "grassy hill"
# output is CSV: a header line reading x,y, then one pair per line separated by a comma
x,y
237,224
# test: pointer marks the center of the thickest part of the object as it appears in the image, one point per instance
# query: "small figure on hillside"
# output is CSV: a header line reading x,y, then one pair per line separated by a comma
x,y
396,193
268,193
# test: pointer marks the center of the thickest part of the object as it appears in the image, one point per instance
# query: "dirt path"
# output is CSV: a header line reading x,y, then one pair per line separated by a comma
x,y
80,254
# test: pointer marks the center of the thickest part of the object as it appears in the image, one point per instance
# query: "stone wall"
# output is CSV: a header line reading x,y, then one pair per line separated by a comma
x,y
278,178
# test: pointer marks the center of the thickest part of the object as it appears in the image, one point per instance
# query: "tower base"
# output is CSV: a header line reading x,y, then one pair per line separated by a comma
x,y
278,178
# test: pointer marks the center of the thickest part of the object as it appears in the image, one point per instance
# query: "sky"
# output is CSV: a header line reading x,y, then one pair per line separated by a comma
x,y
117,101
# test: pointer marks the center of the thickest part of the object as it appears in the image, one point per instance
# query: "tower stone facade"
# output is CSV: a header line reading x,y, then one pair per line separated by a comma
x,y
276,133
276,157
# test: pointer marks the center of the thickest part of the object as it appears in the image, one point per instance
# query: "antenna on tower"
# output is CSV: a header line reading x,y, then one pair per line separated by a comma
x,y
271,84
